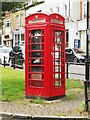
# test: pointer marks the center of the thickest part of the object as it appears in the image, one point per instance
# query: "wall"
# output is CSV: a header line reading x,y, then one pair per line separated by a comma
x,y
75,10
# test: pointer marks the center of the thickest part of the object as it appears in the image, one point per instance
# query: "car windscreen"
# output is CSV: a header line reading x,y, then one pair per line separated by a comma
x,y
79,51
4,50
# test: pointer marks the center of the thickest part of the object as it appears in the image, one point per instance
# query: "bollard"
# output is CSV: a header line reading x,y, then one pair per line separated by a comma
x,y
86,84
4,61
67,70
87,70
86,96
14,63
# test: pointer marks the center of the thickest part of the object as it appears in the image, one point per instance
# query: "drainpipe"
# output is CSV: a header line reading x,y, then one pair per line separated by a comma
x,y
69,10
81,9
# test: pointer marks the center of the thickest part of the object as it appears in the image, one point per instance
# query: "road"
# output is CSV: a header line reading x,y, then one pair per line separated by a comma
x,y
77,71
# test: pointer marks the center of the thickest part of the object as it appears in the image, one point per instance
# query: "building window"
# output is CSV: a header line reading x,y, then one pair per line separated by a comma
x,y
7,24
51,10
17,21
17,39
22,42
22,37
65,10
57,9
21,20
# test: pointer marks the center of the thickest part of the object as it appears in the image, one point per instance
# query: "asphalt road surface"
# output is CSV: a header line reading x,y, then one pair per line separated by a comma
x,y
77,71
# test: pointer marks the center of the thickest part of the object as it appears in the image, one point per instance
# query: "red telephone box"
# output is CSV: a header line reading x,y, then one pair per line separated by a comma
x,y
45,55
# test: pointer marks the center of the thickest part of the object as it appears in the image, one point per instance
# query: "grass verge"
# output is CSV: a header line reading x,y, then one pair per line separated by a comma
x,y
74,88
12,84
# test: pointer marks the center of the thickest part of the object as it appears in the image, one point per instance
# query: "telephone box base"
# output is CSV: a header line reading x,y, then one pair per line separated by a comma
x,y
46,98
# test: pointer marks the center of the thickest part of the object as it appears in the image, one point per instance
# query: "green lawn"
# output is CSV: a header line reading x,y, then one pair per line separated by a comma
x,y
74,88
12,85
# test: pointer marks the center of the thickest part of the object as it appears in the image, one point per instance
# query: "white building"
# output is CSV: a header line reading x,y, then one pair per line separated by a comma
x,y
70,9
82,25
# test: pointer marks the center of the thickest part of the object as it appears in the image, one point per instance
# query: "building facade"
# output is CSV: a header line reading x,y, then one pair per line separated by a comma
x,y
13,28
19,31
69,9
7,37
82,24
74,12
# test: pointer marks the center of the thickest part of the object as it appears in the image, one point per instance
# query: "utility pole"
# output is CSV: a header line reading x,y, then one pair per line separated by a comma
x,y
87,79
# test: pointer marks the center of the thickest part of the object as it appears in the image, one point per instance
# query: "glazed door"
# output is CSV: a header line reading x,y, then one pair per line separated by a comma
x,y
58,57
36,58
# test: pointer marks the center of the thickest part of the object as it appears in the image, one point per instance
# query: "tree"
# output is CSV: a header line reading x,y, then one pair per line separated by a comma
x,y
13,5
10,6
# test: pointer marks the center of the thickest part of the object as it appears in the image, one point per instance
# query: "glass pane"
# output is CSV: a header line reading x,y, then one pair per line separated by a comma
x,y
35,46
36,54
36,69
36,32
22,37
58,33
37,83
58,83
58,39
57,69
36,76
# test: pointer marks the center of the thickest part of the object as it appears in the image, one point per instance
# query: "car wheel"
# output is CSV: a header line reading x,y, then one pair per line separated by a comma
x,y
10,63
75,60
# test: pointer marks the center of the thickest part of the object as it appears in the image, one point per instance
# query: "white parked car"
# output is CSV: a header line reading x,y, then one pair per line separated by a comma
x,y
23,50
75,55
4,52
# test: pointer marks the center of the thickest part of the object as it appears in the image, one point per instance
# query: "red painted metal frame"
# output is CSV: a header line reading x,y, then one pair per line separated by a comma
x,y
51,86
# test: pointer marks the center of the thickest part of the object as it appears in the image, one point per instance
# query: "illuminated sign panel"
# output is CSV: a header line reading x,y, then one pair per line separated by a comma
x,y
57,21
36,21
